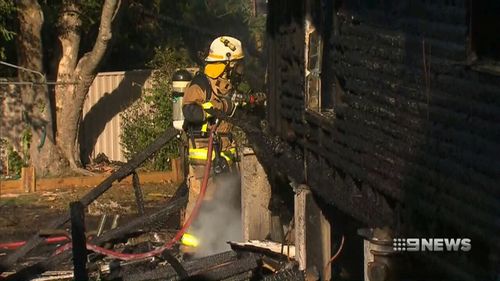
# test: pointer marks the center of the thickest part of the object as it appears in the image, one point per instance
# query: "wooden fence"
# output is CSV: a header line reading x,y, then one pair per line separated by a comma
x,y
29,183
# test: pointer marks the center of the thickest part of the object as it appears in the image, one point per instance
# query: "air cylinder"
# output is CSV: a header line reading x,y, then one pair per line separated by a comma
x,y
180,81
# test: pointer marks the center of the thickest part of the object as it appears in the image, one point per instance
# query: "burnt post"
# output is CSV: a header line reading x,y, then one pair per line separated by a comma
x,y
312,235
255,198
139,197
79,241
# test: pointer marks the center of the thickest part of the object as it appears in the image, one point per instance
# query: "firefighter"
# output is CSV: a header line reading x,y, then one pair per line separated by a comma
x,y
212,89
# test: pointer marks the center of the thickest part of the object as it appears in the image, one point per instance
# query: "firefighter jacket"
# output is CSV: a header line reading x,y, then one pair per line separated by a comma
x,y
197,120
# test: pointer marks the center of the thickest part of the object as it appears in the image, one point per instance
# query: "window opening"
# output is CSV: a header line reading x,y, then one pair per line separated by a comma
x,y
484,39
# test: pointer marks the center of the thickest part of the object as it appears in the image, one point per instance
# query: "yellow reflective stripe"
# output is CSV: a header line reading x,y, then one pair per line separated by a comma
x,y
201,154
233,56
230,154
207,105
204,127
214,56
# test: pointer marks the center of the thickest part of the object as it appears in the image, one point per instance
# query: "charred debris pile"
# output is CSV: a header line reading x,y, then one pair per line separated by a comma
x,y
139,249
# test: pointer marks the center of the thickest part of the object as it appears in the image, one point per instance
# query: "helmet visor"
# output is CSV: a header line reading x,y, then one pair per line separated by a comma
x,y
214,70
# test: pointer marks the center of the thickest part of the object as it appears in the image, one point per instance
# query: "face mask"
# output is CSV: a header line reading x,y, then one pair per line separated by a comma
x,y
236,73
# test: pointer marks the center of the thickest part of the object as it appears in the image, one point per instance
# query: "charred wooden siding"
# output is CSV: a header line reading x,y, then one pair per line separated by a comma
x,y
287,61
415,142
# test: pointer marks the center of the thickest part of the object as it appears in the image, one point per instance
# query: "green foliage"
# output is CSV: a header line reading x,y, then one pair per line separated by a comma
x,y
7,33
151,115
26,142
139,34
16,162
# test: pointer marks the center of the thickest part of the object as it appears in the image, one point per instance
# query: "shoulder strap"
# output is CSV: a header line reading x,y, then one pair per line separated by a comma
x,y
202,81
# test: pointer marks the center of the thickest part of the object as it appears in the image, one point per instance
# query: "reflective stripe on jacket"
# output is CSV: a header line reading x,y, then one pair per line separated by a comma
x,y
200,155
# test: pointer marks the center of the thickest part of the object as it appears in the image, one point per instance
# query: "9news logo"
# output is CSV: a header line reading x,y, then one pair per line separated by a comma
x,y
431,244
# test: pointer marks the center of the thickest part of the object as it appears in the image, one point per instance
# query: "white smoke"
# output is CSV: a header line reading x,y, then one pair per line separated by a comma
x,y
219,219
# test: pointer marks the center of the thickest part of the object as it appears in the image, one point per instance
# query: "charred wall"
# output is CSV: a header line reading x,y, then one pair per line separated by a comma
x,y
414,142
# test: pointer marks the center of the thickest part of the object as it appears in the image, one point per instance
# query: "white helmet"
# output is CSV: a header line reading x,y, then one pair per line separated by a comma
x,y
225,48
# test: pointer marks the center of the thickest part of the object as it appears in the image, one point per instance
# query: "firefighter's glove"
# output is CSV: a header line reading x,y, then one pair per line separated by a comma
x,y
213,114
208,107
220,165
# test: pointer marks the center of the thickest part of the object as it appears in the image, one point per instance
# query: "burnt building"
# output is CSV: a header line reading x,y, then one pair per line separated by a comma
x,y
391,109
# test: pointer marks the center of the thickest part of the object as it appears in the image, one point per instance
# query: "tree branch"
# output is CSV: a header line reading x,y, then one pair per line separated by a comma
x,y
116,10
69,25
89,62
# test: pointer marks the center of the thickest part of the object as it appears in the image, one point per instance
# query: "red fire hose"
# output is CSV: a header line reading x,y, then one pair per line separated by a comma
x,y
15,245
180,233
124,256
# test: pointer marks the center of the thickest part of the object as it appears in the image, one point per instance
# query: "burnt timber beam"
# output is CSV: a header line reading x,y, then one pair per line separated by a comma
x,y
139,197
292,274
175,204
120,174
79,241
192,267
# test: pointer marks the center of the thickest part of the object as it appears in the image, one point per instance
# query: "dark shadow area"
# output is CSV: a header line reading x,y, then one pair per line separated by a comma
x,y
484,23
415,143
111,104
450,188
349,263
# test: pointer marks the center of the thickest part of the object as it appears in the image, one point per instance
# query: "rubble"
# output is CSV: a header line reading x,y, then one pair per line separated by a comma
x,y
269,247
144,248
98,208
102,164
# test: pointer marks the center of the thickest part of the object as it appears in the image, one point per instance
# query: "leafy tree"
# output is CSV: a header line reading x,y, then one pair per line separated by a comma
x,y
71,23
71,40
7,10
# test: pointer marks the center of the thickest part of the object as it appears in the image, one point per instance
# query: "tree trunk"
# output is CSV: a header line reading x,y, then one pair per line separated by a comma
x,y
44,154
69,25
69,120
70,98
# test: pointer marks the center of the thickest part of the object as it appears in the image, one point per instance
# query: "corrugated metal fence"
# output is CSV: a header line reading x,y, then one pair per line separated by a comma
x,y
110,94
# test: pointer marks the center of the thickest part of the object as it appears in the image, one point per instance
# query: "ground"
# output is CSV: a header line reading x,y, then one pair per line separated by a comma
x,y
23,215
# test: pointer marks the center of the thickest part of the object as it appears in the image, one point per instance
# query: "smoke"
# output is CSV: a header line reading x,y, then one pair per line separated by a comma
x,y
219,219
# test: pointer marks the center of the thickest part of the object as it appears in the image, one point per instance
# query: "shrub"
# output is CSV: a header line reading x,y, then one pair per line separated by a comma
x,y
151,115
11,158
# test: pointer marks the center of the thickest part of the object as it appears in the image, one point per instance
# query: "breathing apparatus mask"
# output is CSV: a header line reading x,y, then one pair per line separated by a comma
x,y
228,75
235,72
